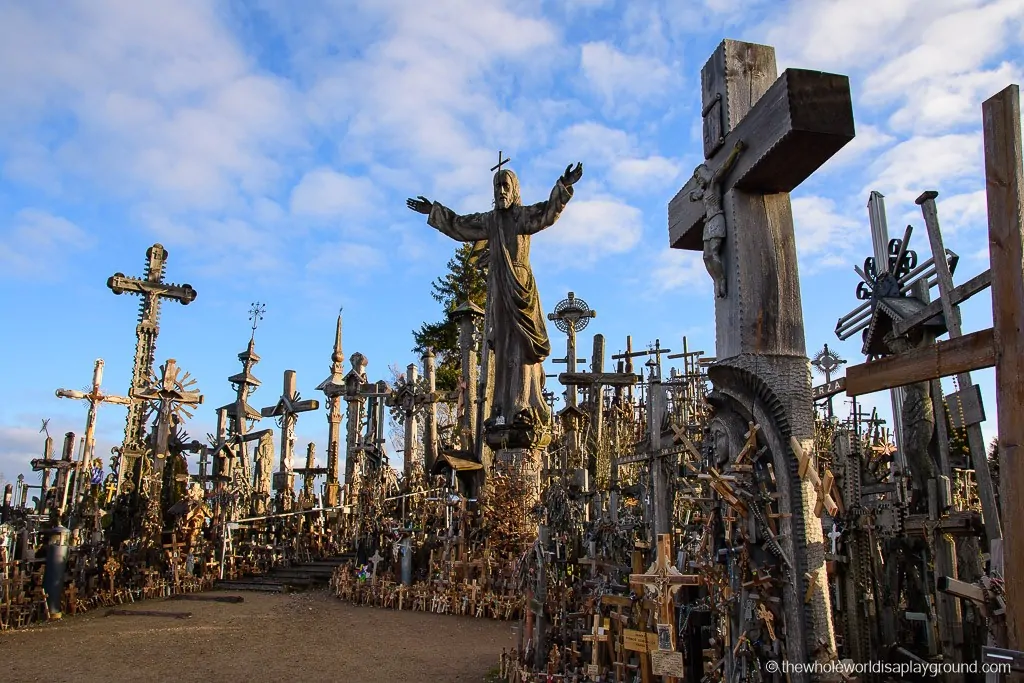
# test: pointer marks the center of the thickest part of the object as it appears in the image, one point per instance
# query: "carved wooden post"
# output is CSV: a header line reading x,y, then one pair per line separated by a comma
x,y
334,388
783,129
467,316
1004,183
430,415
412,457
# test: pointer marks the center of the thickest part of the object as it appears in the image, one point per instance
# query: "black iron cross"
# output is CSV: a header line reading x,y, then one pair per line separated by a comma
x,y
256,314
500,162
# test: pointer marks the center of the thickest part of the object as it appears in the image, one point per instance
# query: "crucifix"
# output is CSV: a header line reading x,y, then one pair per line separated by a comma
x,y
287,410
571,315
826,362
152,289
309,473
664,580
242,416
786,128
94,398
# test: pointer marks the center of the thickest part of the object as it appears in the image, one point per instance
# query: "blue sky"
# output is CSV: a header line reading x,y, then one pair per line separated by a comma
x,y
270,146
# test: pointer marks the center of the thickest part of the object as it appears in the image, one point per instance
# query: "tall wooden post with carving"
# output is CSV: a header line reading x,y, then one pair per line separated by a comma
x,y
763,136
334,388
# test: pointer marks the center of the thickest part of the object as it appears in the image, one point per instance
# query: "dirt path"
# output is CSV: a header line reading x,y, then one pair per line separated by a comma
x,y
292,638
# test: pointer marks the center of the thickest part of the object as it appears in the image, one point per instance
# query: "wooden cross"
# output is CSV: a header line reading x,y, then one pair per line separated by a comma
x,y
789,126
751,444
287,411
807,470
597,636
152,289
94,398
500,162
665,580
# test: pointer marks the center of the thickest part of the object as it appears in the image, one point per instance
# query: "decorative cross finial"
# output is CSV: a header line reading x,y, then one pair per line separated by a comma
x,y
500,162
43,429
256,315
340,309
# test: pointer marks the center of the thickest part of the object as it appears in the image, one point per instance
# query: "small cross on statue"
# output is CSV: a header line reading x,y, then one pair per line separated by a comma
x,y
500,162
374,561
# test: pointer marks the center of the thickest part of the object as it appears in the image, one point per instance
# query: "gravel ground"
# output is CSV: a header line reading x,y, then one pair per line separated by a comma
x,y
269,637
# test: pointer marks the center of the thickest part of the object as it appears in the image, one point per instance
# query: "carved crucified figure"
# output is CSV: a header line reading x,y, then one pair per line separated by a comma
x,y
710,193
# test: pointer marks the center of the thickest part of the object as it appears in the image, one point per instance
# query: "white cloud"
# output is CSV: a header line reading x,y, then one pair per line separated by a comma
x,y
824,233
963,212
158,103
617,75
324,192
18,446
592,228
645,175
37,243
922,163
868,139
677,269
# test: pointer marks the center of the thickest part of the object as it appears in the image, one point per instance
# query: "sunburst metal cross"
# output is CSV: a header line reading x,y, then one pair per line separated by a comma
x,y
256,315
500,162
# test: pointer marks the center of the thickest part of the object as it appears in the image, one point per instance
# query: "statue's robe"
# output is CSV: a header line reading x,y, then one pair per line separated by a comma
x,y
516,329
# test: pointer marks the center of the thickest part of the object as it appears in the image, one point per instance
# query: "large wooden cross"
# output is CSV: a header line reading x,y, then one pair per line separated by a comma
x,y
152,289
94,398
789,126
287,410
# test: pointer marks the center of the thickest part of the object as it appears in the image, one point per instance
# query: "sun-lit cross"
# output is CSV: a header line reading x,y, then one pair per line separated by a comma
x,y
500,162
256,315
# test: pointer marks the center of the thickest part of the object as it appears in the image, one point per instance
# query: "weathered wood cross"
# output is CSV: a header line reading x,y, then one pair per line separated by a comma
x,y
151,288
287,411
94,398
789,126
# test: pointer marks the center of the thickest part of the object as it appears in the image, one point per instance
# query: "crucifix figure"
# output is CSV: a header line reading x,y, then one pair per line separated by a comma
x,y
709,193
514,326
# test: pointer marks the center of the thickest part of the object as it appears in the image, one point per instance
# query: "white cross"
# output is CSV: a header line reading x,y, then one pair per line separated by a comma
x,y
834,536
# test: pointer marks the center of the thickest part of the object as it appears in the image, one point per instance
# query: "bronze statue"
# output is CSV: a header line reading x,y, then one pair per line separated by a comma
x,y
516,330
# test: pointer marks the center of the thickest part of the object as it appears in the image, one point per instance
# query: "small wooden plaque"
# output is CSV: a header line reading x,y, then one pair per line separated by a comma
x,y
667,664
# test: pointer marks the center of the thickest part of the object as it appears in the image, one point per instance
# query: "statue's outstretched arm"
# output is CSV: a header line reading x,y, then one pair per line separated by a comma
x,y
730,161
469,228
544,214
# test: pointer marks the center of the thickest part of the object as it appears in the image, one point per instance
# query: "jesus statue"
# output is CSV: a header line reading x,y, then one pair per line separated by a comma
x,y
516,330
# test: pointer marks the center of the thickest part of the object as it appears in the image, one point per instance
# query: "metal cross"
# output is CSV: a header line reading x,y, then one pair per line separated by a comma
x,y
43,429
500,162
256,315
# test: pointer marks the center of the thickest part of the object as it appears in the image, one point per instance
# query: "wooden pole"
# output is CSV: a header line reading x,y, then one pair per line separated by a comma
x,y
1004,184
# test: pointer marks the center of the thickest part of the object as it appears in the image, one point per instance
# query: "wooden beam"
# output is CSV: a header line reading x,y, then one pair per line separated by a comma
x,y
968,591
609,379
960,294
1004,185
822,391
800,122
969,352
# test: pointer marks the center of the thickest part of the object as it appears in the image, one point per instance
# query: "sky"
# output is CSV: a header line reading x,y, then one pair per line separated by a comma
x,y
270,147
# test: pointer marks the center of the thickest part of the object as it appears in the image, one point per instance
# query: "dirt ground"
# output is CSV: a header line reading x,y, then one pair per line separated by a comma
x,y
268,637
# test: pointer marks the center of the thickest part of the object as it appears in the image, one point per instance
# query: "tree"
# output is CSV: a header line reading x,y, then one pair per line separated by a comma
x,y
465,280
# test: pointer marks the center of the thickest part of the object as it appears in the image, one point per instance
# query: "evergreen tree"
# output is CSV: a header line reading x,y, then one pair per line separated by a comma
x,y
465,280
